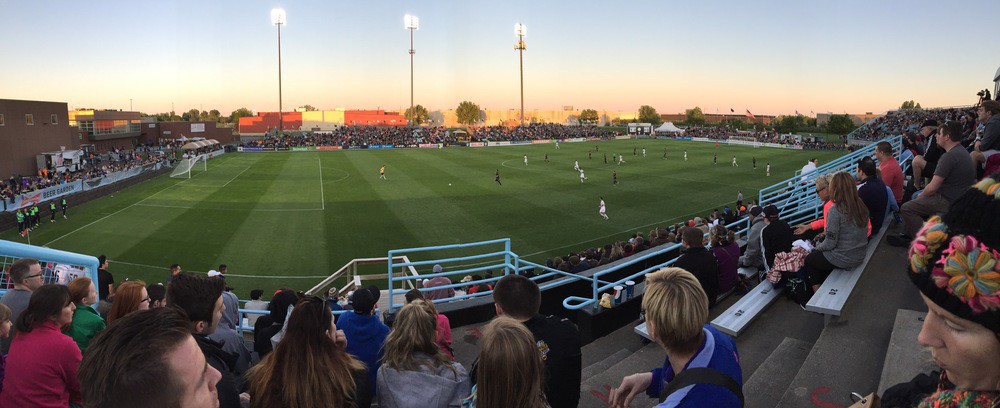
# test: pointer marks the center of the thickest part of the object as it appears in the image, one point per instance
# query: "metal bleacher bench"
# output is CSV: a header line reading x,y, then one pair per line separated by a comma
x,y
831,296
739,315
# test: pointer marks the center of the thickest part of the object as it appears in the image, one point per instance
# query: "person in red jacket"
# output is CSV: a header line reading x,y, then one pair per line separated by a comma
x,y
42,363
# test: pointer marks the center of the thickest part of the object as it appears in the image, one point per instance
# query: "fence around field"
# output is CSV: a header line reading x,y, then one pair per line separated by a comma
x,y
59,267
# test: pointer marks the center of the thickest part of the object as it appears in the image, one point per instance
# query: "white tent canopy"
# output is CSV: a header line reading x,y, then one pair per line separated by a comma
x,y
668,127
199,144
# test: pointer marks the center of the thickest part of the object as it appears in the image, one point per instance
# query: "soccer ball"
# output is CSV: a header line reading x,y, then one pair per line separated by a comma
x,y
449,184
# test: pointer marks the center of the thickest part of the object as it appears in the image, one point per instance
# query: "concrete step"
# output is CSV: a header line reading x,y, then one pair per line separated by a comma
x,y
600,366
905,358
594,390
848,355
600,349
767,384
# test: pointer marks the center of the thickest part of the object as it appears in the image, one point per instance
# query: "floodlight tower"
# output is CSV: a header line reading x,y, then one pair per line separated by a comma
x,y
278,18
411,23
520,31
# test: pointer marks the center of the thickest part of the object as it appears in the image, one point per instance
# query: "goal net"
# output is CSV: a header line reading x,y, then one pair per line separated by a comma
x,y
186,167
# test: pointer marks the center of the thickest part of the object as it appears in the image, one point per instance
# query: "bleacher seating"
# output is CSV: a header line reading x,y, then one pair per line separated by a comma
x,y
831,296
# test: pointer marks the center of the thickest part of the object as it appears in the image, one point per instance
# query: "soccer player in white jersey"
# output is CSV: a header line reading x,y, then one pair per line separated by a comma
x,y
525,160
582,176
769,169
643,152
685,155
734,162
621,159
576,165
603,210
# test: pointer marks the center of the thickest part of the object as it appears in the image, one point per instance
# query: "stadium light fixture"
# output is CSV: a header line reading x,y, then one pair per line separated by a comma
x,y
520,30
411,23
279,18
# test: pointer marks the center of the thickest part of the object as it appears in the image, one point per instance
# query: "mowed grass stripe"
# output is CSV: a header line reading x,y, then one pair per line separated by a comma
x,y
196,236
543,208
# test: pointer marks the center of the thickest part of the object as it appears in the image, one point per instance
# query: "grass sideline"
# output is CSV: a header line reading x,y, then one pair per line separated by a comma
x,y
288,219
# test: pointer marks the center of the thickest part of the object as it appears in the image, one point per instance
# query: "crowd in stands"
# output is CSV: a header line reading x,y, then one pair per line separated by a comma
x,y
535,131
95,166
722,133
348,136
907,121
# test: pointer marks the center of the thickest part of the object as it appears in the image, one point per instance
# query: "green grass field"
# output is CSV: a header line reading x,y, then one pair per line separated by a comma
x,y
290,218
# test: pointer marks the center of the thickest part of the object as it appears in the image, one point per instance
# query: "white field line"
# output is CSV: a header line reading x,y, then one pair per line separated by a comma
x,y
228,274
322,199
116,212
230,209
237,176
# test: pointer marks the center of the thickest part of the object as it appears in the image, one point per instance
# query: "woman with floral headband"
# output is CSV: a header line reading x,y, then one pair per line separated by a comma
x,y
955,262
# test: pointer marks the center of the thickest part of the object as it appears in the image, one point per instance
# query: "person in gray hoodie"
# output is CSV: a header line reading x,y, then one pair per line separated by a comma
x,y
846,233
753,257
415,372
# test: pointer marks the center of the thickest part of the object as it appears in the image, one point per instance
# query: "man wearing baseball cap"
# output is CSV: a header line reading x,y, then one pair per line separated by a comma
x,y
925,164
364,331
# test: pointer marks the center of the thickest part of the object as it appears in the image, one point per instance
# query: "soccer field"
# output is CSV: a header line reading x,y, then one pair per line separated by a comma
x,y
288,219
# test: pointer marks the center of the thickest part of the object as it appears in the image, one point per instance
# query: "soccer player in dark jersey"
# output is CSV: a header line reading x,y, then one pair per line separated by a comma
x,y
614,177
715,158
605,158
498,177
755,162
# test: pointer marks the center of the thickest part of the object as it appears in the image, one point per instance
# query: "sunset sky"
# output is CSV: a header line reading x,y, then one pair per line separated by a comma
x,y
772,57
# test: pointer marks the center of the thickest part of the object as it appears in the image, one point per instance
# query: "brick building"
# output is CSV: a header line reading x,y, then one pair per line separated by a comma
x,y
28,128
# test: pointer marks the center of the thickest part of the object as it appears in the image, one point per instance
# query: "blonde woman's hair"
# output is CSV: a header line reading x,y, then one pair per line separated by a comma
x,y
844,193
415,330
510,367
677,307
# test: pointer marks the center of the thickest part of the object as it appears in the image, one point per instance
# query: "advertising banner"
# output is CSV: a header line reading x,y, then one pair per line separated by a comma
x,y
504,143
303,148
329,148
477,144
623,137
520,142
428,145
543,141
251,149
197,127
216,153
575,140
46,194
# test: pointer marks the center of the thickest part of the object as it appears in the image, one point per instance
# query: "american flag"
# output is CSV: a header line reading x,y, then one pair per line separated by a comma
x,y
750,115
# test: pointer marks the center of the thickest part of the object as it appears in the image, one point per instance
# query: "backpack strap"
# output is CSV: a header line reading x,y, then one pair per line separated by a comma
x,y
702,375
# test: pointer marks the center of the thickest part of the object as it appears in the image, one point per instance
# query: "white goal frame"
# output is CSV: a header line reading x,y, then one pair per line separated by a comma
x,y
186,167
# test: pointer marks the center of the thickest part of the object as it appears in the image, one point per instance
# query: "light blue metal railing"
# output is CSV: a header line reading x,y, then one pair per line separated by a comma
x,y
57,266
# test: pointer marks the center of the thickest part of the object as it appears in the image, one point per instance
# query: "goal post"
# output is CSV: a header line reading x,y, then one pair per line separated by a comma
x,y
186,167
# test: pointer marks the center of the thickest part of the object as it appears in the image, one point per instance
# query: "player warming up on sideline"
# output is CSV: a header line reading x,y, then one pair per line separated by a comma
x,y
381,173
498,177
64,209
603,210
